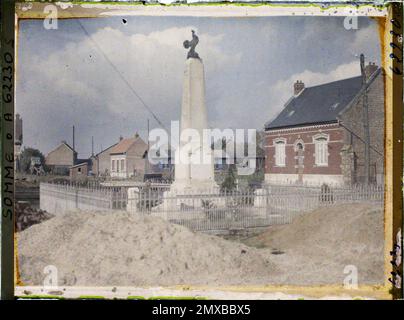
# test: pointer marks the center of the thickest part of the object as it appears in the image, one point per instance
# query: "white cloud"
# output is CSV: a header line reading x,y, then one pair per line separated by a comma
x,y
75,84
253,105
151,63
80,85
283,89
363,37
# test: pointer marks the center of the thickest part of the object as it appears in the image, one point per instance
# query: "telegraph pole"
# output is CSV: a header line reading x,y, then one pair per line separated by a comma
x,y
74,147
365,117
92,146
148,146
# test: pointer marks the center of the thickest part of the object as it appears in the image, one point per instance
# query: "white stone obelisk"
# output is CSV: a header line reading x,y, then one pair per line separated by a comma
x,y
194,167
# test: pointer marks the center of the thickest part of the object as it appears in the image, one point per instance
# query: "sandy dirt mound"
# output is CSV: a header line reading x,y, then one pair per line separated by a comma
x,y
317,246
115,248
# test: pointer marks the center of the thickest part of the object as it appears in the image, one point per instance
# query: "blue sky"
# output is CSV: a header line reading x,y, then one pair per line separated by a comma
x,y
250,65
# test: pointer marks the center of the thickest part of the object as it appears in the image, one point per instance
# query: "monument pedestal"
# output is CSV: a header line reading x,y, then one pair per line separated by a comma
x,y
194,171
194,164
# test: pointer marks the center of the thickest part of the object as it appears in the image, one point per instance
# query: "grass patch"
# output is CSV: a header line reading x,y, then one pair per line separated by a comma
x,y
47,296
91,298
176,298
136,298
41,296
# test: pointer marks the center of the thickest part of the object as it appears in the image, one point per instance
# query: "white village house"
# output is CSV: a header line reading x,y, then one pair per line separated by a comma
x,y
127,158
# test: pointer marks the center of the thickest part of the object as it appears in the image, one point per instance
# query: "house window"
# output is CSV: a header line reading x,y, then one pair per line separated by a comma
x,y
112,165
122,165
299,153
321,150
280,152
117,165
299,147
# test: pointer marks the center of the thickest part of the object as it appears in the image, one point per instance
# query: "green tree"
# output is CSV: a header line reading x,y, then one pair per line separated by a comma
x,y
229,182
25,159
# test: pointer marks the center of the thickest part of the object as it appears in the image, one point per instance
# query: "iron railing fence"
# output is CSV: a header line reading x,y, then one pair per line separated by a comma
x,y
208,210
273,204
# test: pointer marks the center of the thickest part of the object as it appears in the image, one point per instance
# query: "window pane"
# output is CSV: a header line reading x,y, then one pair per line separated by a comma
x,y
280,153
321,151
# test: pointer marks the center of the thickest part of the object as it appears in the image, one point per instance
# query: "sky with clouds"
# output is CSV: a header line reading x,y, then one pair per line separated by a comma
x,y
91,72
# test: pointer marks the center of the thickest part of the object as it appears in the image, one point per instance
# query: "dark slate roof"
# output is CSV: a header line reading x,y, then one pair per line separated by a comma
x,y
318,104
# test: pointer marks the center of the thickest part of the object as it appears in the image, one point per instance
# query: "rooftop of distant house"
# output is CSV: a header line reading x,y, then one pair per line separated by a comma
x,y
125,144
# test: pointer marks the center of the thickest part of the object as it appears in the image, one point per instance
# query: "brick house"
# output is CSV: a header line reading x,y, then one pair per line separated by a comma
x,y
127,158
319,136
61,159
81,170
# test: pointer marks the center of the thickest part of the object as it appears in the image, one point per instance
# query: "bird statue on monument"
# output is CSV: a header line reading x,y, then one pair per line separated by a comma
x,y
192,44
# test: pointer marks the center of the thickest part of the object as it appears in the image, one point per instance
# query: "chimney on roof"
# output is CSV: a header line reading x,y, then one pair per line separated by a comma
x,y
120,138
370,69
298,86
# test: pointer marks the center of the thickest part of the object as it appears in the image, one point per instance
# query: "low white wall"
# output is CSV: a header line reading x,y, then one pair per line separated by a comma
x,y
59,199
311,179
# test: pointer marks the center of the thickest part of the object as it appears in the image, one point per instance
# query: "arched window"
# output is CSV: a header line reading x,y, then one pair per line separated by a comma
x,y
299,153
321,149
299,145
280,152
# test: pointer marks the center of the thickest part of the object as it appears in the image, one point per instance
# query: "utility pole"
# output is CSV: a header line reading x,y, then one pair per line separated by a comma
x,y
148,146
365,117
92,146
74,147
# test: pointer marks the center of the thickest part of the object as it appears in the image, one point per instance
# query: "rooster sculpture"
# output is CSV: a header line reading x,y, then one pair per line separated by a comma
x,y
191,44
